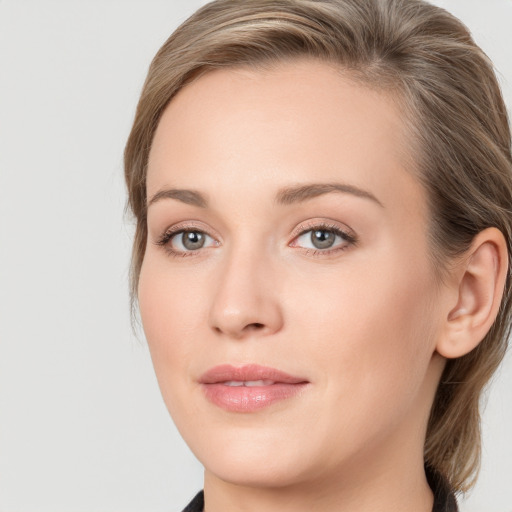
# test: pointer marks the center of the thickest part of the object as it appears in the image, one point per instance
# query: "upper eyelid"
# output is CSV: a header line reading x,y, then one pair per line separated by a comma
x,y
304,227
190,226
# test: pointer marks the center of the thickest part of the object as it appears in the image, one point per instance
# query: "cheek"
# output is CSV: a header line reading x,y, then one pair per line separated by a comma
x,y
369,339
371,328
169,299
170,310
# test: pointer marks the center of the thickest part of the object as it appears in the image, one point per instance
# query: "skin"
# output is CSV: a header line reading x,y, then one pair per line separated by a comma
x,y
361,323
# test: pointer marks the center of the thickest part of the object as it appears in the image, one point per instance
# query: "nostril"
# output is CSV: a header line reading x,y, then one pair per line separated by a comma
x,y
238,331
255,326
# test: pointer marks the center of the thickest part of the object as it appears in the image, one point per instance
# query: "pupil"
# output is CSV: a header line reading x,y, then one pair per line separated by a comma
x,y
322,239
193,240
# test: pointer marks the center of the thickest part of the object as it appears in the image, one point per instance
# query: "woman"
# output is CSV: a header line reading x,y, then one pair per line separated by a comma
x,y
322,192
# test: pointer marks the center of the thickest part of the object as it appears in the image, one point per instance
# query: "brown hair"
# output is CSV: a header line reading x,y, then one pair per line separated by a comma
x,y
461,143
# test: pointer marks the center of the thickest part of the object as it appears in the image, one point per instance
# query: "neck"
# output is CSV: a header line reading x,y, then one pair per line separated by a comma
x,y
395,488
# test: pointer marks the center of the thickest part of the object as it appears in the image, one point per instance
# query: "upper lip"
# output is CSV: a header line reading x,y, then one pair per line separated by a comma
x,y
249,372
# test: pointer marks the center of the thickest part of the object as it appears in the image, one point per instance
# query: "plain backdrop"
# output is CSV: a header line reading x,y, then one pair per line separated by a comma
x,y
82,425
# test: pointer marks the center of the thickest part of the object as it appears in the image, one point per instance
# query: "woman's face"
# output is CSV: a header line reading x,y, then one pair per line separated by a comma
x,y
286,292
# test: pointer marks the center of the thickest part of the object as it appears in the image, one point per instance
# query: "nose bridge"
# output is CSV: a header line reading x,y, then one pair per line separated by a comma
x,y
245,299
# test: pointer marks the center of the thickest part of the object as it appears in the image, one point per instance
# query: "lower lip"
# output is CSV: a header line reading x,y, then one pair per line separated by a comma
x,y
250,398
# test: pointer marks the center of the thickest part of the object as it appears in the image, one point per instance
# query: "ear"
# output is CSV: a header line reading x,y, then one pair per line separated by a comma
x,y
479,281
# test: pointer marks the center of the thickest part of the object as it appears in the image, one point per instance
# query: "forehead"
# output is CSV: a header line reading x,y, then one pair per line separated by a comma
x,y
298,121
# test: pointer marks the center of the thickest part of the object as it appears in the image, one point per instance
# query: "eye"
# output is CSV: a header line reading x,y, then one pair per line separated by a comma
x,y
186,241
189,240
324,239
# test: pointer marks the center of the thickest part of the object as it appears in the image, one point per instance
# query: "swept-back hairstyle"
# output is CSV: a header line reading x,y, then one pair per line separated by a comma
x,y
460,143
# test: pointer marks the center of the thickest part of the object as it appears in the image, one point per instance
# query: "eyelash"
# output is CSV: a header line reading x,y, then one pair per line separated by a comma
x,y
349,238
166,237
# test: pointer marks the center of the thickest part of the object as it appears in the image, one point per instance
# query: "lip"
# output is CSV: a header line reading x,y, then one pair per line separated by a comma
x,y
249,398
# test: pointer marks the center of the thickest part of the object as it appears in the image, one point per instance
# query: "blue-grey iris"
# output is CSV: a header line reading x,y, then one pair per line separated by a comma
x,y
192,240
322,239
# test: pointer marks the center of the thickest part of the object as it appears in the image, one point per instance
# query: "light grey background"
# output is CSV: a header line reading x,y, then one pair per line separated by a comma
x,y
82,424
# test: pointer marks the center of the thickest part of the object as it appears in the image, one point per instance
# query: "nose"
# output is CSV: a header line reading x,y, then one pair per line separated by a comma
x,y
245,302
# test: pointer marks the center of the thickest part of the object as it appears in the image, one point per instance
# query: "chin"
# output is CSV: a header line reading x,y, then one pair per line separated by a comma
x,y
266,456
255,470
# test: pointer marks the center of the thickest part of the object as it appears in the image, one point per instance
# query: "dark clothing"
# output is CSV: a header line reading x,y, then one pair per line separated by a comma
x,y
197,504
444,499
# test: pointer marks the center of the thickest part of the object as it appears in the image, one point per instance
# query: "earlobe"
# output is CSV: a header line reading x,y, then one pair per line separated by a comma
x,y
480,280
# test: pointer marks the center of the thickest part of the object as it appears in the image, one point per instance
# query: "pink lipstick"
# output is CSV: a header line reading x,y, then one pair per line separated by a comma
x,y
248,388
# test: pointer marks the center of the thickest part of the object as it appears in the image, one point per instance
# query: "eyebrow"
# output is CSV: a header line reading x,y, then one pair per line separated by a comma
x,y
185,196
285,196
299,193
